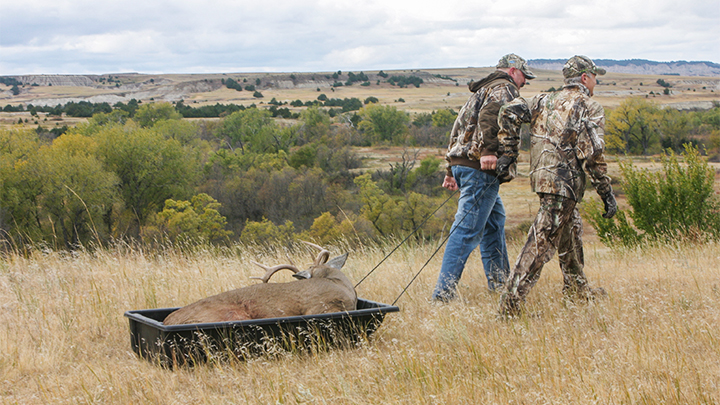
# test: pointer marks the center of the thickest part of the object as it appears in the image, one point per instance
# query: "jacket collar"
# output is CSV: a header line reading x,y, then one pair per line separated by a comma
x,y
496,76
581,87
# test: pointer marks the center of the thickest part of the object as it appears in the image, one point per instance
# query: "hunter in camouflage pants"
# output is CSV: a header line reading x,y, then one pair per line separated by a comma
x,y
557,227
567,146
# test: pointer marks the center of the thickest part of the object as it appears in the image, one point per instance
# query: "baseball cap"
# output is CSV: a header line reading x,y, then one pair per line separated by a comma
x,y
512,60
578,64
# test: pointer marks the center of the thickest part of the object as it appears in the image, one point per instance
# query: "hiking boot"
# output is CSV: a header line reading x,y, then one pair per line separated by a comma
x,y
598,292
585,293
509,307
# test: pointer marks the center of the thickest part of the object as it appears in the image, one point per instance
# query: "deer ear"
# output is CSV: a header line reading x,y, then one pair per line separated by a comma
x,y
337,262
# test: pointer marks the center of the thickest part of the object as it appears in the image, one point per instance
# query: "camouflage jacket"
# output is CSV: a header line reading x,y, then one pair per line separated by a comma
x,y
475,131
567,132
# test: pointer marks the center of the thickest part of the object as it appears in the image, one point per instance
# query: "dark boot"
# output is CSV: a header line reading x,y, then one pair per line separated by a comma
x,y
510,307
584,293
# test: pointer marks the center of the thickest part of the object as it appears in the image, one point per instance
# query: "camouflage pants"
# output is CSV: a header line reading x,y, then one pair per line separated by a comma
x,y
557,227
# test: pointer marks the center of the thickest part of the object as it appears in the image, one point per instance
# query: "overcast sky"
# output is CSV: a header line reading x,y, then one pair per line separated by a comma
x,y
218,36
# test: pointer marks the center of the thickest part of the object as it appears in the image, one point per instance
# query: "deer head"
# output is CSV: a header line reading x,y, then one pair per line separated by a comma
x,y
321,258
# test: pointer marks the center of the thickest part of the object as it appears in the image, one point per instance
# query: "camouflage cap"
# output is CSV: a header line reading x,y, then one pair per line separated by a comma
x,y
512,60
578,64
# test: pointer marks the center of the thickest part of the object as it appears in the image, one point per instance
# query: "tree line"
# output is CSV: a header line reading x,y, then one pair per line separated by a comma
x,y
155,176
86,109
141,171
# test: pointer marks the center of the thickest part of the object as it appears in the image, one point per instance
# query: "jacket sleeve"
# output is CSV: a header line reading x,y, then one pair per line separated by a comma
x,y
511,117
591,146
487,128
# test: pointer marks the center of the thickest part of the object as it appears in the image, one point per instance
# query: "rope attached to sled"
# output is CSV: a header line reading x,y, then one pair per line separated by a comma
x,y
408,237
439,246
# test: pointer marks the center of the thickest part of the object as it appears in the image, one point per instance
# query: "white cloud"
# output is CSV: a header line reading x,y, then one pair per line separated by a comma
x,y
80,36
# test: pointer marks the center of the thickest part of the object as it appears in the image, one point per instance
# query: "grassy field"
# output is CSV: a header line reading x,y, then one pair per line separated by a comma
x,y
654,340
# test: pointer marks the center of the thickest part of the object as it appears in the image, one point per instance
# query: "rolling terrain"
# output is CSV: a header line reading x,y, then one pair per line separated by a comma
x,y
441,88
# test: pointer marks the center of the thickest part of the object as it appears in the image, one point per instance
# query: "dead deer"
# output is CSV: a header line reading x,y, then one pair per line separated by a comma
x,y
322,288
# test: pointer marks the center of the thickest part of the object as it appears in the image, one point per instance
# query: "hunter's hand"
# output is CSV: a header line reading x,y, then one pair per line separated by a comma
x,y
488,162
450,183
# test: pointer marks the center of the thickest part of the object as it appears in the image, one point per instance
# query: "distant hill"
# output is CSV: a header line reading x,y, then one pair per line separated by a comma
x,y
640,66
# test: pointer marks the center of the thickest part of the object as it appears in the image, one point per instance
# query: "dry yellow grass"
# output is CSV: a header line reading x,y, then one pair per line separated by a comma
x,y
64,339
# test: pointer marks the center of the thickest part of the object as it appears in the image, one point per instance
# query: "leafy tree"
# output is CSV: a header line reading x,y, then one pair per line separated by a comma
x,y
416,209
315,124
20,186
353,78
266,233
151,169
117,116
423,120
232,84
131,107
336,161
148,114
325,229
443,118
632,127
663,83
377,207
57,193
183,131
304,156
300,195
10,81
195,220
371,99
85,109
674,128
251,130
78,193
347,104
383,123
399,216
427,178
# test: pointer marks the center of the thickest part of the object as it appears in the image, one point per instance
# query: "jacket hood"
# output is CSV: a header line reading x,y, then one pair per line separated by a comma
x,y
496,75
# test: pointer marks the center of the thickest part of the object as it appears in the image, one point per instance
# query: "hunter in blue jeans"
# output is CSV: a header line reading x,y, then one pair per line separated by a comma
x,y
480,220
482,154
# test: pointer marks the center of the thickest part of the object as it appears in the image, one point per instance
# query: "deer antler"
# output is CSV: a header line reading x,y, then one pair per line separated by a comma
x,y
322,257
273,270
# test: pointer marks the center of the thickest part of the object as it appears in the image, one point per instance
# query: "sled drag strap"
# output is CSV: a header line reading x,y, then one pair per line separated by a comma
x,y
444,240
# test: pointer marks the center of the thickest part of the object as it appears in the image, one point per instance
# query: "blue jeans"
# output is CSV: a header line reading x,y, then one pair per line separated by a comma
x,y
480,220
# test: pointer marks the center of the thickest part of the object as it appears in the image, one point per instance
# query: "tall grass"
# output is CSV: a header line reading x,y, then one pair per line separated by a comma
x,y
656,339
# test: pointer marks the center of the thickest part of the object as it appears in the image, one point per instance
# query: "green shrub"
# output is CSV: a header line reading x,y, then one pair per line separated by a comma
x,y
195,220
266,233
675,204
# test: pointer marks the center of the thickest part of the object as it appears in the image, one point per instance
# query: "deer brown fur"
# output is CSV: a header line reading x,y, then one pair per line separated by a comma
x,y
322,288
